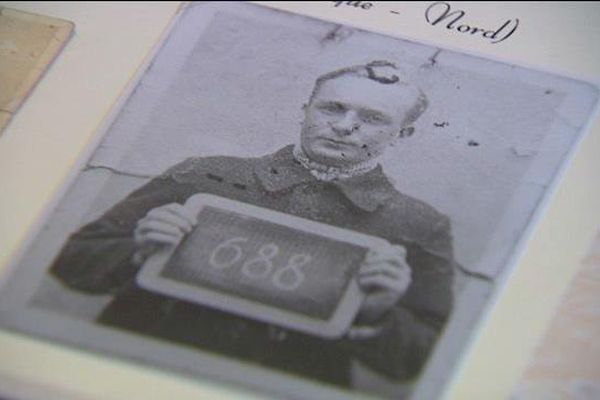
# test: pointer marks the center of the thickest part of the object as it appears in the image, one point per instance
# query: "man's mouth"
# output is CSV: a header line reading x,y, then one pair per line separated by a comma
x,y
339,142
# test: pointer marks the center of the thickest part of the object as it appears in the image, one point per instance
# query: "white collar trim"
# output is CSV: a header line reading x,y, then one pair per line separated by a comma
x,y
326,173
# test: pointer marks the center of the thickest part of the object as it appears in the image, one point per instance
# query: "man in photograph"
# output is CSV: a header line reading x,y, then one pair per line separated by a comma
x,y
331,175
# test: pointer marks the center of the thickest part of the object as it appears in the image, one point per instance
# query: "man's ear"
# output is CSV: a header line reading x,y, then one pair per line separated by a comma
x,y
406,132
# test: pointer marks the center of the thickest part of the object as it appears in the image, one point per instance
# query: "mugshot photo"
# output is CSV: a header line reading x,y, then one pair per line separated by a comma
x,y
289,204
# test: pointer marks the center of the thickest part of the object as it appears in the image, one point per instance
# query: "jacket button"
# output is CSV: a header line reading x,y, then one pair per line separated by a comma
x,y
214,177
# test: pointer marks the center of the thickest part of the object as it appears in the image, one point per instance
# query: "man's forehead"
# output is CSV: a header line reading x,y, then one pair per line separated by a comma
x,y
366,92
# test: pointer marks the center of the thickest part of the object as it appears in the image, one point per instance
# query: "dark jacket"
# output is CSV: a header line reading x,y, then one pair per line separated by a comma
x,y
97,259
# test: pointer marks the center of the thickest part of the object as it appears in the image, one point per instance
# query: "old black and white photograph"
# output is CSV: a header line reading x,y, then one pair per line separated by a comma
x,y
299,208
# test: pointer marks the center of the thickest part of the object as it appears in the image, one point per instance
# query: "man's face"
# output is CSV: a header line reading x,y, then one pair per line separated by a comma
x,y
353,119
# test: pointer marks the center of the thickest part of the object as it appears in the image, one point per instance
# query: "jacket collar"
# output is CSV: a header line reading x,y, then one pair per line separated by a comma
x,y
280,171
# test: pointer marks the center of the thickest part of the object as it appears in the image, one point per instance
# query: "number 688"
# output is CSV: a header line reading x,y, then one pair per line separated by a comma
x,y
288,278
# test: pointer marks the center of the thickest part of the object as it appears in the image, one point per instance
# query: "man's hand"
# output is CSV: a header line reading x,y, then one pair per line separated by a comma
x,y
162,226
384,276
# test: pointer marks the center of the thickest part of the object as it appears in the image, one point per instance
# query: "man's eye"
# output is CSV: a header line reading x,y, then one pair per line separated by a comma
x,y
374,119
333,108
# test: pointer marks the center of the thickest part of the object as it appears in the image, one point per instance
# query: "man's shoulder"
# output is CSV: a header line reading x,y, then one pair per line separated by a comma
x,y
408,205
238,167
419,221
213,166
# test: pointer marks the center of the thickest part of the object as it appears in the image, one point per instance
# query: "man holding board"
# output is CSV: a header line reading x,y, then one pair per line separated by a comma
x,y
331,177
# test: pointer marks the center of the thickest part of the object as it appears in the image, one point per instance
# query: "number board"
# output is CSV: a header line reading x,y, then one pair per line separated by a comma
x,y
265,265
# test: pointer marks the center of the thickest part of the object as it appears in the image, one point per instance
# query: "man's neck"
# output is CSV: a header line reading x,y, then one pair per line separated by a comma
x,y
328,173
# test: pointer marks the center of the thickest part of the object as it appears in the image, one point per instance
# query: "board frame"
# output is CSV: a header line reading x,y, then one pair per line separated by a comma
x,y
150,277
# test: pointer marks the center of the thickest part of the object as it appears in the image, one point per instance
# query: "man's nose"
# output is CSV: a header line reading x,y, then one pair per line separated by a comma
x,y
347,124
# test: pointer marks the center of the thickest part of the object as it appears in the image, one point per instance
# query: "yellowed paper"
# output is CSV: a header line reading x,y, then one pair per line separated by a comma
x,y
28,45
567,361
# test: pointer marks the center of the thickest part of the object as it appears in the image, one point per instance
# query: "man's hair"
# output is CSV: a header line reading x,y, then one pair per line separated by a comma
x,y
384,72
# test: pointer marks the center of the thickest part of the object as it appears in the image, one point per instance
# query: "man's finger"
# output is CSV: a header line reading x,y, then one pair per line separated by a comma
x,y
160,226
158,237
166,217
394,256
172,218
173,212
182,212
399,250
399,264
378,282
387,269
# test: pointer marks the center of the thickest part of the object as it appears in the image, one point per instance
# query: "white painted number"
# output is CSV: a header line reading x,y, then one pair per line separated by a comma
x,y
261,266
291,276
288,278
227,247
